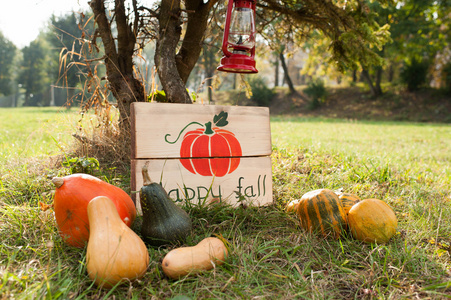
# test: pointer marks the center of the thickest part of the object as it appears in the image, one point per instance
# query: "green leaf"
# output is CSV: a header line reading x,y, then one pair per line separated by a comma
x,y
220,120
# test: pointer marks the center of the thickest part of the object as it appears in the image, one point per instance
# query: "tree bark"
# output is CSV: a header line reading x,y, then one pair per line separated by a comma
x,y
174,68
276,72
169,35
375,91
287,76
210,73
188,55
119,59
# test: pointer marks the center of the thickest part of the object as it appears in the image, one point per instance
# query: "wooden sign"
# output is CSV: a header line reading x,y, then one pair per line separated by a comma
x,y
200,152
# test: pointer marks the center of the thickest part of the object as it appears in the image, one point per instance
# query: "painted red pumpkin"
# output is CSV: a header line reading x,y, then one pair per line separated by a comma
x,y
217,143
210,151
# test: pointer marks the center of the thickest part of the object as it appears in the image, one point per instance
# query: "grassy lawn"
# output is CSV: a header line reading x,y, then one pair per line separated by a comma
x,y
416,146
408,165
30,132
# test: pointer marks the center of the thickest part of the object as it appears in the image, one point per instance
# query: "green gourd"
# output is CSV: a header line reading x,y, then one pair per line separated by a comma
x,y
163,221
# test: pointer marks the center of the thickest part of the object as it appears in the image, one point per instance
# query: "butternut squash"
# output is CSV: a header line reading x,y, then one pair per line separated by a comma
x,y
115,253
204,256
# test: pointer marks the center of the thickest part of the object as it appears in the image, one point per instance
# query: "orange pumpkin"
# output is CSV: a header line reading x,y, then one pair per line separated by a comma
x,y
72,196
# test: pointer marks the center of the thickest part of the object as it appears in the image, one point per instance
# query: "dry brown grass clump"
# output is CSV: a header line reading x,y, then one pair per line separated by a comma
x,y
103,139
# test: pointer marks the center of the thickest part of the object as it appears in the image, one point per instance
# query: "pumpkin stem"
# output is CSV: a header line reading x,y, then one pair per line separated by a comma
x,y
58,181
208,129
146,177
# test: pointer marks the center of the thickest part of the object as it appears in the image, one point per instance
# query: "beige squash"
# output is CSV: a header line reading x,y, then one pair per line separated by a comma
x,y
115,253
204,256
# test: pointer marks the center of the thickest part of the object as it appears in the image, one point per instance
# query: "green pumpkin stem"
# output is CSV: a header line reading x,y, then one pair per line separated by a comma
x,y
208,129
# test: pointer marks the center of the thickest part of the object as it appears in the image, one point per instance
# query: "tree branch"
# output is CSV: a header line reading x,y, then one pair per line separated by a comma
x,y
104,31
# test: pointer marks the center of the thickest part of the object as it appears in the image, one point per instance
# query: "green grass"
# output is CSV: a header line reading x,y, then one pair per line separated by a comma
x,y
35,132
417,146
271,257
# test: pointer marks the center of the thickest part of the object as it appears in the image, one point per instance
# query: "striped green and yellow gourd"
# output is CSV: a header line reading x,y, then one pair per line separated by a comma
x,y
348,200
320,211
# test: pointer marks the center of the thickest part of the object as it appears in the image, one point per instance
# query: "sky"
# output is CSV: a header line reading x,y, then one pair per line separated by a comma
x,y
21,20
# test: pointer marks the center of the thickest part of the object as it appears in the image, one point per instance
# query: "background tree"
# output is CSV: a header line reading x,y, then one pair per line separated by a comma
x,y
33,73
64,38
368,56
415,39
7,54
442,60
344,23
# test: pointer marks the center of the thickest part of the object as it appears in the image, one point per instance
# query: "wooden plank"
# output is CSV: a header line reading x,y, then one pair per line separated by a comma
x,y
252,181
155,126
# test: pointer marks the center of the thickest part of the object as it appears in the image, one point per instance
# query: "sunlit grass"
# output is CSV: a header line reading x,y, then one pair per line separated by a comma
x,y
409,146
35,132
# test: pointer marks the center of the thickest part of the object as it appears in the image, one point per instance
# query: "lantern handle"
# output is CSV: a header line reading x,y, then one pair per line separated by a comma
x,y
225,38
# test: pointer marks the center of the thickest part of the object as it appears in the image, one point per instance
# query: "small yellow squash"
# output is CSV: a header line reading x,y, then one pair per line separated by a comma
x,y
372,221
204,256
115,253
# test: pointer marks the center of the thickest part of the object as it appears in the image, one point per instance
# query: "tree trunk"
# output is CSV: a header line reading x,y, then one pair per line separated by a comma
x,y
174,69
287,76
391,73
210,68
354,76
119,59
188,55
375,92
276,72
377,85
169,35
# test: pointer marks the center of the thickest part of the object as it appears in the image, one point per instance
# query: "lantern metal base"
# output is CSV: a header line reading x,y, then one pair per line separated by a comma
x,y
237,63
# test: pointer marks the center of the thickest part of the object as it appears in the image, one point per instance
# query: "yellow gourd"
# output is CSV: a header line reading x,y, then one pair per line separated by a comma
x,y
115,253
204,256
372,221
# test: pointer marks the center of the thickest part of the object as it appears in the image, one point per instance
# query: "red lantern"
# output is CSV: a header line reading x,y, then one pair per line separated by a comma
x,y
238,44
220,144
